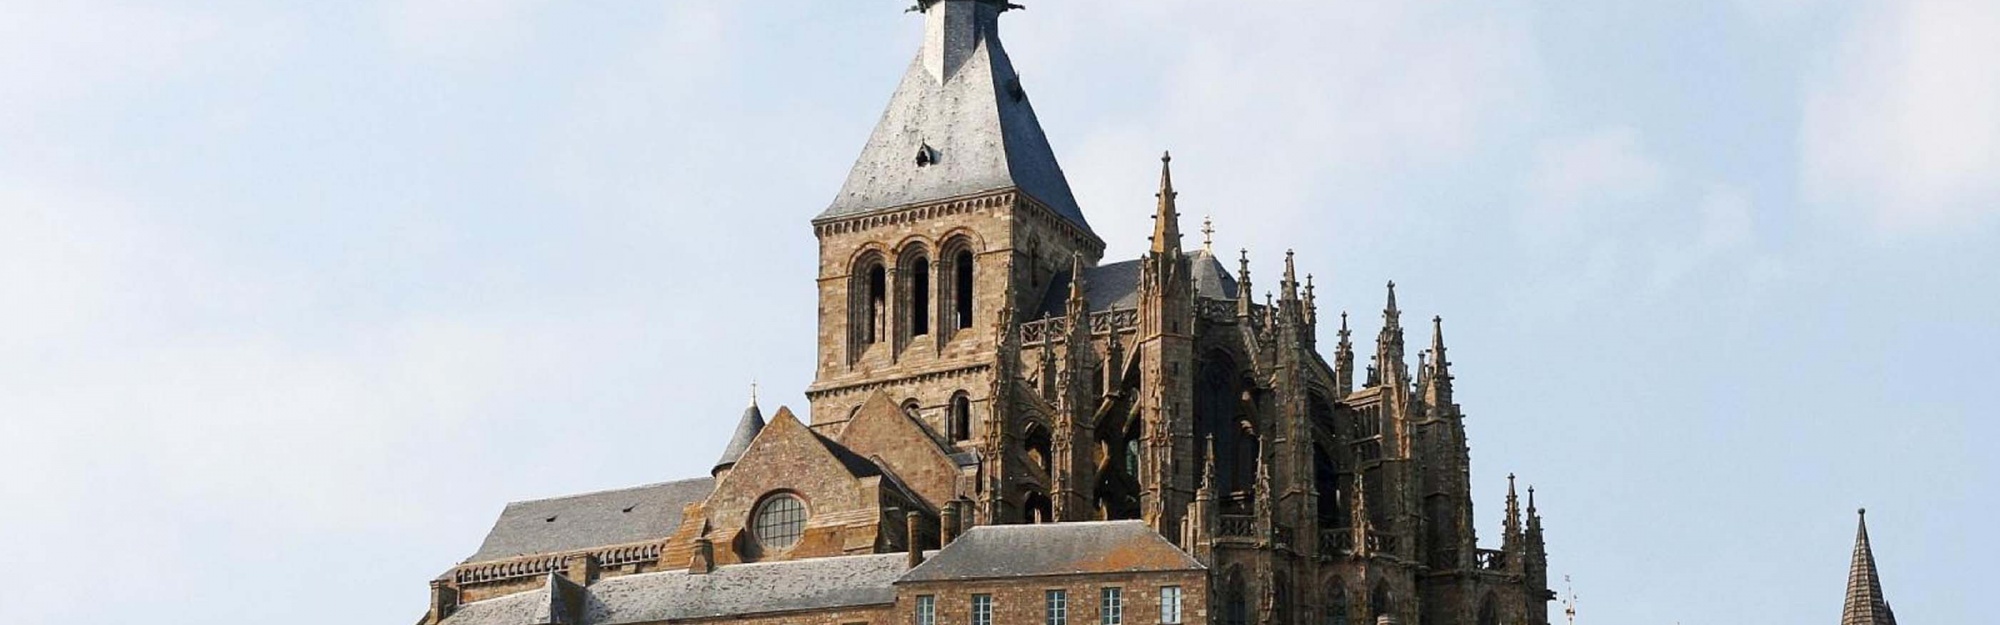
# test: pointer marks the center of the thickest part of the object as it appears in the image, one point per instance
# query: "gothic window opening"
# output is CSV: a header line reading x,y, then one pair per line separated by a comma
x,y
1235,610
1039,446
1336,604
1380,603
1225,424
920,297
962,293
1440,532
875,305
1326,481
1488,613
1037,509
961,418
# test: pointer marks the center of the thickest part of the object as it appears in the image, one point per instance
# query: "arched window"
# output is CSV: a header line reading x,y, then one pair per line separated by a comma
x,y
870,318
1380,602
1235,610
920,297
961,265
1037,509
1336,604
778,522
961,417
1039,446
1489,614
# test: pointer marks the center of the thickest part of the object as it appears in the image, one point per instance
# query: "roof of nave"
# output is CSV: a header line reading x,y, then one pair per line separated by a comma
x,y
588,520
996,551
959,124
545,605
1116,285
741,589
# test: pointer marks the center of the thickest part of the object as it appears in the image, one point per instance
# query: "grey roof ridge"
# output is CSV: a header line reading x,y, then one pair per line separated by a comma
x,y
608,491
763,564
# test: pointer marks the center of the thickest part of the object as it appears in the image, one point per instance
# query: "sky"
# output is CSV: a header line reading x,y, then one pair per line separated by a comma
x,y
294,297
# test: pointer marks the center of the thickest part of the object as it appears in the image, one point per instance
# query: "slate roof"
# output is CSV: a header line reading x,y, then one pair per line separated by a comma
x,y
961,104
1865,604
541,606
747,428
589,520
1116,285
995,551
743,589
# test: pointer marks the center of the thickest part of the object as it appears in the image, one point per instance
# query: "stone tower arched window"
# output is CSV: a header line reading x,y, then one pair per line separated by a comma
x,y
962,290
960,417
1380,602
913,272
1489,614
868,307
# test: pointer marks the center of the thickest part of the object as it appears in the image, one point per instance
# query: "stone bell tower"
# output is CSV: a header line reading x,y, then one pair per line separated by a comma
x,y
954,217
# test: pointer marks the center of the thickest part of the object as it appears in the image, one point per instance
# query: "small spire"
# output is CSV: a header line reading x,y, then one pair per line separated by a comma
x,y
1208,234
747,428
1312,305
1513,510
1076,277
753,393
1391,311
1440,366
1866,604
1166,222
1344,333
1207,466
1291,285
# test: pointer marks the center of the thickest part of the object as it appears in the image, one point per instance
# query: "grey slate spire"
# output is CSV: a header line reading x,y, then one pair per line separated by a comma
x,y
1865,604
959,124
746,431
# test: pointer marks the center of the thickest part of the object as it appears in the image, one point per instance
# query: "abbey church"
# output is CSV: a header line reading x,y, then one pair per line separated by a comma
x,y
1007,427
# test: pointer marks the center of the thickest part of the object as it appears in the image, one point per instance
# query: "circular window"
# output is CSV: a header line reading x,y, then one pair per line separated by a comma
x,y
779,522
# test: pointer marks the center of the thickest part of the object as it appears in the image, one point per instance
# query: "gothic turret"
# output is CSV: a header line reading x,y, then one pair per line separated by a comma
x,y
1865,603
1166,237
747,428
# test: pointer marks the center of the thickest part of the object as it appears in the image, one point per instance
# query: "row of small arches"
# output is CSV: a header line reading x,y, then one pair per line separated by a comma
x,y
911,306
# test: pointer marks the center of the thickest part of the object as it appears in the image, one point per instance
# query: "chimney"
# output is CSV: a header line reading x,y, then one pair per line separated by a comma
x,y
444,601
914,522
948,524
703,561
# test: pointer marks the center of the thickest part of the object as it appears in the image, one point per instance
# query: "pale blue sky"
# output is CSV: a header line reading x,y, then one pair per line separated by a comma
x,y
298,295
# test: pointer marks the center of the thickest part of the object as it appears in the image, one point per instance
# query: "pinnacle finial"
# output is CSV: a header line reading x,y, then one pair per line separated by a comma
x,y
1291,285
1076,277
753,393
1166,221
1391,309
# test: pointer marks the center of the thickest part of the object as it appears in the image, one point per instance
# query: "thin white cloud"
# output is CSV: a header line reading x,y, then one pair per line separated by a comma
x,y
1574,180
1902,122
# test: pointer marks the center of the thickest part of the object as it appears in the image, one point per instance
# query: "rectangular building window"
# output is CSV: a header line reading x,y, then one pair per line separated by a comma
x,y
982,610
926,610
1112,610
1170,605
1057,607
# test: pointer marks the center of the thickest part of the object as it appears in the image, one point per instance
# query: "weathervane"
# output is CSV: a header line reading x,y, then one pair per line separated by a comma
x,y
1208,234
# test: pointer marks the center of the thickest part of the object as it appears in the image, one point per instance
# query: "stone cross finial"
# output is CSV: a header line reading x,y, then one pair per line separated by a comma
x,y
1208,234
